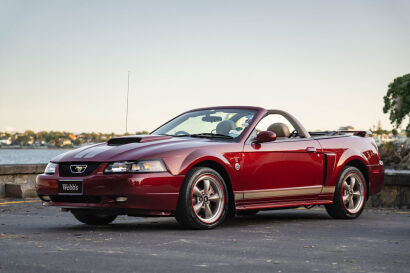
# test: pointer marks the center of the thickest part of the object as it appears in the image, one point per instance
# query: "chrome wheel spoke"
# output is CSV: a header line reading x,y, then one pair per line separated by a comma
x,y
215,197
352,182
207,186
351,203
198,206
345,185
197,192
357,194
208,211
345,199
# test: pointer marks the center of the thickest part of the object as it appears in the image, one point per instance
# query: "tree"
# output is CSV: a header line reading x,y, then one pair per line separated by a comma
x,y
29,133
397,101
394,132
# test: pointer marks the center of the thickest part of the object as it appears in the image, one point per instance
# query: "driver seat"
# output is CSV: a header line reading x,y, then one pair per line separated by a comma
x,y
280,129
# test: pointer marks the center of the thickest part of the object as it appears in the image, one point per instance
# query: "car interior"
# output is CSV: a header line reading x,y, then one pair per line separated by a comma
x,y
225,126
280,129
276,124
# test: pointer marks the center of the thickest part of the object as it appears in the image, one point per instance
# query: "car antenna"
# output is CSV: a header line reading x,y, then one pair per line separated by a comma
x,y
126,112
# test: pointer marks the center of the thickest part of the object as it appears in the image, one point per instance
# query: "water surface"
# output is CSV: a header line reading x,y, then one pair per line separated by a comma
x,y
28,156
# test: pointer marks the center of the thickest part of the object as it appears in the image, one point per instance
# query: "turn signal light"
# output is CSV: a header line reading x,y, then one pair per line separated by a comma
x,y
45,198
121,199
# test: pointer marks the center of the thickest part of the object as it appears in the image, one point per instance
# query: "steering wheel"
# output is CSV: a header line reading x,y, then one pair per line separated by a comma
x,y
293,134
181,133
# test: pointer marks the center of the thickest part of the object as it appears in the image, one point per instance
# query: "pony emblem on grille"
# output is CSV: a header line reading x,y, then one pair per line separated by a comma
x,y
78,168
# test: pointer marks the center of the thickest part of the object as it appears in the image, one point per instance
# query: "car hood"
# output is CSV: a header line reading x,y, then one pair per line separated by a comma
x,y
134,148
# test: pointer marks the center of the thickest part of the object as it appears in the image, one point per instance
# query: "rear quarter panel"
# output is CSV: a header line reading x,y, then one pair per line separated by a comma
x,y
344,149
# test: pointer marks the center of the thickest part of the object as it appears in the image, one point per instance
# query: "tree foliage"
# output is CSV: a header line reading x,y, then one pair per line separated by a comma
x,y
58,139
397,101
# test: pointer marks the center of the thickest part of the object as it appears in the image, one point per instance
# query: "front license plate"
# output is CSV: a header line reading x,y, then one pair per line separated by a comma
x,y
70,187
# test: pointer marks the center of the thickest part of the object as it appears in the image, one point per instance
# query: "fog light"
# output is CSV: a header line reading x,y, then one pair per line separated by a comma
x,y
45,198
121,199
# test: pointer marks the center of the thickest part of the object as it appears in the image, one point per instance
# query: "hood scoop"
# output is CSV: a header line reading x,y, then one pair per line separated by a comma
x,y
135,139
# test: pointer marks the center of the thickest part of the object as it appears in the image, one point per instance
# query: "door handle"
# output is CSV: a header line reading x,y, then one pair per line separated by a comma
x,y
311,150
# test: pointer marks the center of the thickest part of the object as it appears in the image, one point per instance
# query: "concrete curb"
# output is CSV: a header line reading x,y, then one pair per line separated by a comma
x,y
23,176
20,191
22,169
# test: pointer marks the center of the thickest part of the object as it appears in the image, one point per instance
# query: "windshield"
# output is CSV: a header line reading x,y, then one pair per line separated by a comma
x,y
218,123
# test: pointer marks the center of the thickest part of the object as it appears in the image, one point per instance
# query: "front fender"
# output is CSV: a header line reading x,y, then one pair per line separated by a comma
x,y
198,156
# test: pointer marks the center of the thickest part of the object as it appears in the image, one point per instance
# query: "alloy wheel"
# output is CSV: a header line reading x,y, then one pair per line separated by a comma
x,y
353,193
208,198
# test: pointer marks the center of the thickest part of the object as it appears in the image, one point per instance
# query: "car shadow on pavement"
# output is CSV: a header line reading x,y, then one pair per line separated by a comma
x,y
148,224
130,225
277,217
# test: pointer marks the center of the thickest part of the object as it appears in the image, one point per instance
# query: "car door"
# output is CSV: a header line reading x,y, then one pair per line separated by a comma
x,y
282,170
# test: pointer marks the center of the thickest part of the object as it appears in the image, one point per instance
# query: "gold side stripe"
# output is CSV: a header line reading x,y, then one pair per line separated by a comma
x,y
328,189
239,196
259,194
278,192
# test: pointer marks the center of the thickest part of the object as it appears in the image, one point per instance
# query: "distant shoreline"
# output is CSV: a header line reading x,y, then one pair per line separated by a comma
x,y
36,148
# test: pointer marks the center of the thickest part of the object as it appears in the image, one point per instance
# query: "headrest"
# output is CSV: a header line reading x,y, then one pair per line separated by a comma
x,y
280,129
224,127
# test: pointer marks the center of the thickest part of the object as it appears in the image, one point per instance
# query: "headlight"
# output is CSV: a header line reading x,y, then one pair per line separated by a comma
x,y
51,168
142,166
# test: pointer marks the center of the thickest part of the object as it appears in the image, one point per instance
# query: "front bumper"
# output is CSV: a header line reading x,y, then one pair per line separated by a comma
x,y
147,193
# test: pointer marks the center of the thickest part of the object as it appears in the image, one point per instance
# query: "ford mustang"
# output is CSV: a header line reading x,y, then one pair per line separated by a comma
x,y
209,164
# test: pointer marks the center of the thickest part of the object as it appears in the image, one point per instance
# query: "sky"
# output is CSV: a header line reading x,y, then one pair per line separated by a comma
x,y
64,64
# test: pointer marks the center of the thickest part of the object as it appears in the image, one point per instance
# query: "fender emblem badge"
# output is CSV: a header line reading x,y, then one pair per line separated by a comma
x,y
237,166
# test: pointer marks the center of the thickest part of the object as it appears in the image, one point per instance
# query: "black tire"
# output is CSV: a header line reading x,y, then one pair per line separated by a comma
x,y
90,218
186,214
339,209
247,212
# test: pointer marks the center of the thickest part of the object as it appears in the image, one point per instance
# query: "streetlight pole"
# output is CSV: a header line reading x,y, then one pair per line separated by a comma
x,y
126,113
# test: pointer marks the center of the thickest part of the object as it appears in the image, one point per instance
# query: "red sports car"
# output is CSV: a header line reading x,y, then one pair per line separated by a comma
x,y
209,164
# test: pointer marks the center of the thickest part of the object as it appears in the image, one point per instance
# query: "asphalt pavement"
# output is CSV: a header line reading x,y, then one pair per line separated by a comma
x,y
39,239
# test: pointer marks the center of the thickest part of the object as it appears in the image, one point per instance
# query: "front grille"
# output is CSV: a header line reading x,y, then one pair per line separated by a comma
x,y
75,199
65,170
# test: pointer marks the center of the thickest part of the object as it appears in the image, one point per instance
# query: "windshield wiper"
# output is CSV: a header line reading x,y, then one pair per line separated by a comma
x,y
180,135
185,135
211,135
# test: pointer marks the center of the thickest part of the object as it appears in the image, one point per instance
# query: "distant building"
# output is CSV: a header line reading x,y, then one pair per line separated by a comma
x,y
5,141
66,142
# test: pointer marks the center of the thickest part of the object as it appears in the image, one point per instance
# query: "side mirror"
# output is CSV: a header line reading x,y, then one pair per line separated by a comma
x,y
265,136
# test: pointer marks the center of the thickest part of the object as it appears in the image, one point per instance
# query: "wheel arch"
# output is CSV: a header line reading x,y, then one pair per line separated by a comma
x,y
225,175
363,168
